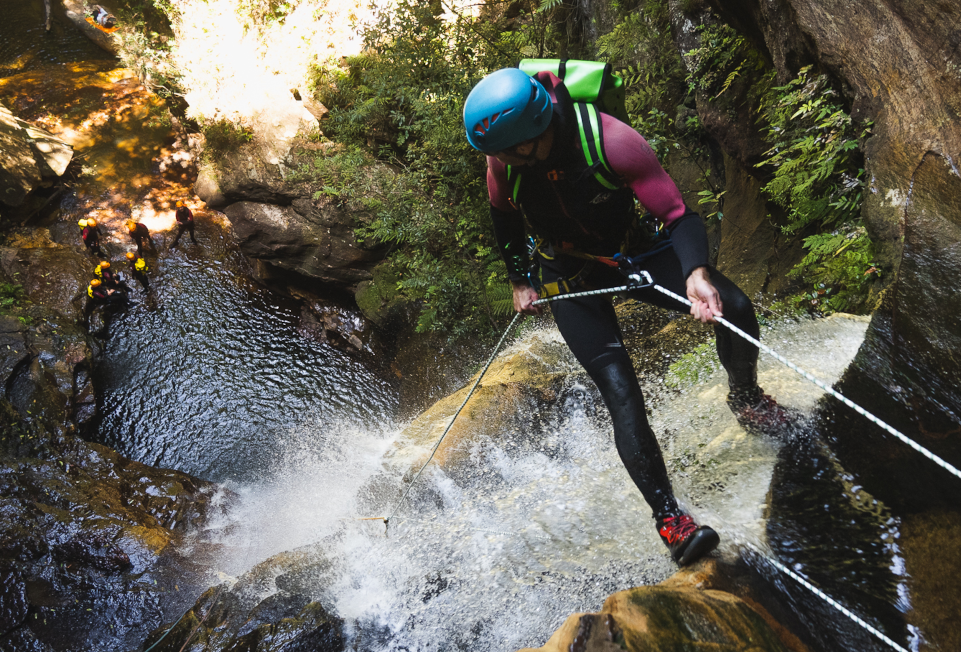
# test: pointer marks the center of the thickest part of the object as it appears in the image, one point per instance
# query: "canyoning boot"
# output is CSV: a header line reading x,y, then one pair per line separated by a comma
x,y
687,540
760,414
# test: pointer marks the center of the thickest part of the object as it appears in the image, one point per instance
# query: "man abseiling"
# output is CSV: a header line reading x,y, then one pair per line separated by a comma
x,y
538,179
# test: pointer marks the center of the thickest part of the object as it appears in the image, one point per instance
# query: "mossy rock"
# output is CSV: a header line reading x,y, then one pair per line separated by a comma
x,y
379,299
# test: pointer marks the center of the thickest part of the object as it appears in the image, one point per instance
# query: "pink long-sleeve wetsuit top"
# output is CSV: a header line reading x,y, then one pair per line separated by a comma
x,y
566,206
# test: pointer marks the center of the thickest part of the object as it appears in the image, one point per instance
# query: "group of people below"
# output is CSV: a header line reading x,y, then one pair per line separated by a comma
x,y
107,287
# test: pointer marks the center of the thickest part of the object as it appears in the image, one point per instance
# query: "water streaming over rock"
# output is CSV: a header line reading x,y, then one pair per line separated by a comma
x,y
494,554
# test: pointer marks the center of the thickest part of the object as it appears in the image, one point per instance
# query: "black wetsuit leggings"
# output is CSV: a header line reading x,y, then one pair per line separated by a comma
x,y
589,326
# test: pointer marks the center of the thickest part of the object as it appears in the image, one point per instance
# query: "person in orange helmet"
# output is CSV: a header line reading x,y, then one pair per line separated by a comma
x,y
139,234
185,222
99,295
139,269
90,233
111,279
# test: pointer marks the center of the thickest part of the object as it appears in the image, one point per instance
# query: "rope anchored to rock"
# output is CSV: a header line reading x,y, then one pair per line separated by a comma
x,y
640,279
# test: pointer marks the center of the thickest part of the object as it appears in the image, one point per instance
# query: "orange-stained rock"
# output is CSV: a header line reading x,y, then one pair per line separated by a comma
x,y
658,618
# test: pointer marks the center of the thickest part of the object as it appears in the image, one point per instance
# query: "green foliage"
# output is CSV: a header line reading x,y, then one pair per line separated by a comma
x,y
693,367
223,135
146,42
399,104
264,12
815,153
813,161
722,56
840,270
641,49
818,179
12,297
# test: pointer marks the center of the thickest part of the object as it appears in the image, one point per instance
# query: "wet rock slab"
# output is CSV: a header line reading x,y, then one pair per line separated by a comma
x,y
239,617
83,537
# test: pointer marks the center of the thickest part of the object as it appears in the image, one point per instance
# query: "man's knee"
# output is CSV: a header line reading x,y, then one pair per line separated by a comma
x,y
736,303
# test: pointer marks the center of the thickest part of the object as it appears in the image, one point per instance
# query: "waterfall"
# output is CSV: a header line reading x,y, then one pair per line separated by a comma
x,y
497,550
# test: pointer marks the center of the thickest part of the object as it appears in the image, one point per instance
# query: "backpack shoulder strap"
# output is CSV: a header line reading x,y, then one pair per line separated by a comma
x,y
514,179
592,143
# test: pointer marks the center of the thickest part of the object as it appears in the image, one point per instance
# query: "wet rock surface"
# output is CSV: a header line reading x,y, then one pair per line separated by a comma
x,y
84,538
311,239
239,617
653,617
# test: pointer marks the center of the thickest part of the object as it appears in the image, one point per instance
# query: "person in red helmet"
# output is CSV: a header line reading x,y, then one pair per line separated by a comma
x,y
185,222
541,184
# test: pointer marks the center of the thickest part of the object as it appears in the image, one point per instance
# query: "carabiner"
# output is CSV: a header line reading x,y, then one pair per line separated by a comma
x,y
637,277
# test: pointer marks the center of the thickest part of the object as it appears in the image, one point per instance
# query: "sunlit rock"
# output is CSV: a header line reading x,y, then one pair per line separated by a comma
x,y
658,618
29,157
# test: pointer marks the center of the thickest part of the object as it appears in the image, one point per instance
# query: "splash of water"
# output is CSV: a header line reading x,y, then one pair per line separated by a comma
x,y
497,552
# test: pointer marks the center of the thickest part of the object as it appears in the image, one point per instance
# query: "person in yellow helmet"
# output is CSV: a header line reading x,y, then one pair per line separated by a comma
x,y
90,233
98,295
139,234
138,269
110,278
185,222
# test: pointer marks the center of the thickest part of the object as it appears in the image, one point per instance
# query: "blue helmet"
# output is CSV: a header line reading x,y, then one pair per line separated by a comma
x,y
505,108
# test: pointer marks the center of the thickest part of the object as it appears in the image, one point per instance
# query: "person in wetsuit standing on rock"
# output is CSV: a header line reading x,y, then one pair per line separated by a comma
x,y
90,234
527,123
138,269
139,233
185,222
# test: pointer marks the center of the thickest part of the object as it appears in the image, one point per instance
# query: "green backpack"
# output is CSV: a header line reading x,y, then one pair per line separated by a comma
x,y
593,87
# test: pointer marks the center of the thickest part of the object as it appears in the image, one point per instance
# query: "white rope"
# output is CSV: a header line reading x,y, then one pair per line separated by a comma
x,y
490,361
870,417
452,419
824,596
644,280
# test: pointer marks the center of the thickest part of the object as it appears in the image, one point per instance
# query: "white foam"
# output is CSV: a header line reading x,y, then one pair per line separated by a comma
x,y
498,552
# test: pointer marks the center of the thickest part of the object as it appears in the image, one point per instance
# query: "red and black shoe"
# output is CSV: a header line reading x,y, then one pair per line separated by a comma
x,y
687,540
760,414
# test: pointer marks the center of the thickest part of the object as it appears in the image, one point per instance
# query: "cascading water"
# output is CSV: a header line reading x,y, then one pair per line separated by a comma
x,y
495,553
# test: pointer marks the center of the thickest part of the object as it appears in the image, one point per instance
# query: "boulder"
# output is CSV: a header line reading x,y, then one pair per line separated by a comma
x,y
313,239
76,13
661,618
266,609
84,534
499,405
29,158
